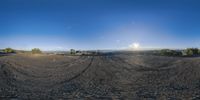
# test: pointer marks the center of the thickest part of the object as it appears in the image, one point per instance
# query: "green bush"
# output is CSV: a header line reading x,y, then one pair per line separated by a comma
x,y
9,50
36,51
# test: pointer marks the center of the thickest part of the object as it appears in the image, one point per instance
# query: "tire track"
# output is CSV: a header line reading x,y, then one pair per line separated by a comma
x,y
77,75
94,87
12,67
78,91
120,76
123,65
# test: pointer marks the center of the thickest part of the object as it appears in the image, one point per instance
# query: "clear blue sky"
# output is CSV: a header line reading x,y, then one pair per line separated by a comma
x,y
99,24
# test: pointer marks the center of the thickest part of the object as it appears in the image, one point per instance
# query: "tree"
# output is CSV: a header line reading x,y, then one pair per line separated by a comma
x,y
8,50
199,51
192,51
72,51
36,51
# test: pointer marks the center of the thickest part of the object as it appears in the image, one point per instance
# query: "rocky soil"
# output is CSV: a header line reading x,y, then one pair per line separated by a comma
x,y
106,77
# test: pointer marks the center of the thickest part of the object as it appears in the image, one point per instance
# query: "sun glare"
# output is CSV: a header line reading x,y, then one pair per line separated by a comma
x,y
134,45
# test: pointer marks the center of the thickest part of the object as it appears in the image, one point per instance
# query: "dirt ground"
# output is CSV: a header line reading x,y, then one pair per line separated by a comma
x,y
108,77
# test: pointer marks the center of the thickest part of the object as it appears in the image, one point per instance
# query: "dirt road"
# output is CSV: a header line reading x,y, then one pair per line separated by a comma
x,y
135,77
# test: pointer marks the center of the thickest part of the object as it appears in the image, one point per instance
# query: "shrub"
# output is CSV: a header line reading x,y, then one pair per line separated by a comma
x,y
165,52
8,50
168,52
176,53
36,51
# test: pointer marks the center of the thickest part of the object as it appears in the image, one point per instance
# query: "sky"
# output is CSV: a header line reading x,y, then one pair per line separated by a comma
x,y
99,24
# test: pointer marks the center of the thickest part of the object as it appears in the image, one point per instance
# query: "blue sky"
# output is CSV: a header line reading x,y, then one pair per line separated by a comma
x,y
99,24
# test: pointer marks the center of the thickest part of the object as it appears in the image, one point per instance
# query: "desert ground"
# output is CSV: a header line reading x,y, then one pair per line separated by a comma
x,y
120,76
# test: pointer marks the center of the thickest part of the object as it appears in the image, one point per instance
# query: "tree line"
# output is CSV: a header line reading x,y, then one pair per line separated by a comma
x,y
10,50
163,52
185,52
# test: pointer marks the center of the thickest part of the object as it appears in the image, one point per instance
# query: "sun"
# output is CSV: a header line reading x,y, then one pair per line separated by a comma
x,y
134,45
